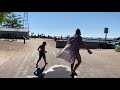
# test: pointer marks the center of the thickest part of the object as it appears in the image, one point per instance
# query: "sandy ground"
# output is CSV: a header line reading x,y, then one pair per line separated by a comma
x,y
17,60
8,49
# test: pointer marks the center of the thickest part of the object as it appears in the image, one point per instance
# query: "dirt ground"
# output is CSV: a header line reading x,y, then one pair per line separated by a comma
x,y
18,60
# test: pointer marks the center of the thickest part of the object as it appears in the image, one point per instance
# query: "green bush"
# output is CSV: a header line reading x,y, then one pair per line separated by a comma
x,y
118,46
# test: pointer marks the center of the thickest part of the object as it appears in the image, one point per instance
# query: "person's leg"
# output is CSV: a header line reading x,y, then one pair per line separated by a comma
x,y
72,65
79,62
44,57
38,60
72,70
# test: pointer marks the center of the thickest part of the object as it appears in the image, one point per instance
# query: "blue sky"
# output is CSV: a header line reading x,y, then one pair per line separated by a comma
x,y
91,24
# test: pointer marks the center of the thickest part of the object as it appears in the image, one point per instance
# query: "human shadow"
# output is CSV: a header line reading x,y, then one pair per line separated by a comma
x,y
58,72
39,72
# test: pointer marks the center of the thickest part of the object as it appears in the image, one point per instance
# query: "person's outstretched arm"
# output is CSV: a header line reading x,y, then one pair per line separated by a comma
x,y
45,51
89,51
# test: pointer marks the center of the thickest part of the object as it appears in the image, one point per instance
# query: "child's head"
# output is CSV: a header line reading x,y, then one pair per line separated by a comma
x,y
44,43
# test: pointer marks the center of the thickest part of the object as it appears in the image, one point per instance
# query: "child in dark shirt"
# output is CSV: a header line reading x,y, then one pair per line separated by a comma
x,y
42,52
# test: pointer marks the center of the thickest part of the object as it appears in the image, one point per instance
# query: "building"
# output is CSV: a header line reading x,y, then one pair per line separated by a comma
x,y
13,33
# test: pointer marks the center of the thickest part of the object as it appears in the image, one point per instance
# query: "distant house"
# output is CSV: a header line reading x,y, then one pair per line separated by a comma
x,y
13,33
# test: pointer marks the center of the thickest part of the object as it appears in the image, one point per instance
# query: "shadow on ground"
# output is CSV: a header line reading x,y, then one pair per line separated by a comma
x,y
58,71
39,72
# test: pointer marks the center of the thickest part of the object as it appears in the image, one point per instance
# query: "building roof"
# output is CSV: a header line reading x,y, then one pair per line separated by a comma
x,y
14,29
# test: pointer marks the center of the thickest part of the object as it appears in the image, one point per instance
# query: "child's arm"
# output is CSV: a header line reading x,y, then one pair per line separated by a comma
x,y
45,50
39,48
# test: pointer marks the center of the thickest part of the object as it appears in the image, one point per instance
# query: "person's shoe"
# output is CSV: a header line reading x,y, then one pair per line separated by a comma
x,y
36,66
74,73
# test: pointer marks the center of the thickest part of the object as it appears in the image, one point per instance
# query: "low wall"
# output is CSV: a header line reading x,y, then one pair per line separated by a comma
x,y
90,45
60,43
13,35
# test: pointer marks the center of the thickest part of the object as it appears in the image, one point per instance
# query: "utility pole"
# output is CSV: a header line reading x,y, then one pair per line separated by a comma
x,y
106,32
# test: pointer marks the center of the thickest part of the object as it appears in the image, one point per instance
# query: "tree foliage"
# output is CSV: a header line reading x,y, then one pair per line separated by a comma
x,y
12,21
3,16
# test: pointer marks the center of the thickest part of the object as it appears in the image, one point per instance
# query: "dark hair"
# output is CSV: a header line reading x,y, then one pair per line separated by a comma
x,y
44,43
77,31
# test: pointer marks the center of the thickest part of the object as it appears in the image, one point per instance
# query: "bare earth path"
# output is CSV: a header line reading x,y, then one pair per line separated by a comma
x,y
21,64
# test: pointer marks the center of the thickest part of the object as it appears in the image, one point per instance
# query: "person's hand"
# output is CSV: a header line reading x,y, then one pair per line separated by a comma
x,y
90,52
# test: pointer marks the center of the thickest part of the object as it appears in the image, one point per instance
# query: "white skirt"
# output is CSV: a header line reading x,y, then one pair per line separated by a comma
x,y
67,54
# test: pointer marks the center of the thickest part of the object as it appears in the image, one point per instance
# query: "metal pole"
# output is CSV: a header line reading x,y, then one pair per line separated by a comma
x,y
105,40
105,37
25,22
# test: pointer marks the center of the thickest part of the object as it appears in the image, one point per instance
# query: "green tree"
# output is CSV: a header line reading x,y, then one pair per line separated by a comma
x,y
13,21
3,16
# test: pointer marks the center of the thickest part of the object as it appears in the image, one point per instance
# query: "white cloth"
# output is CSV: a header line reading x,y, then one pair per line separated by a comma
x,y
70,51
